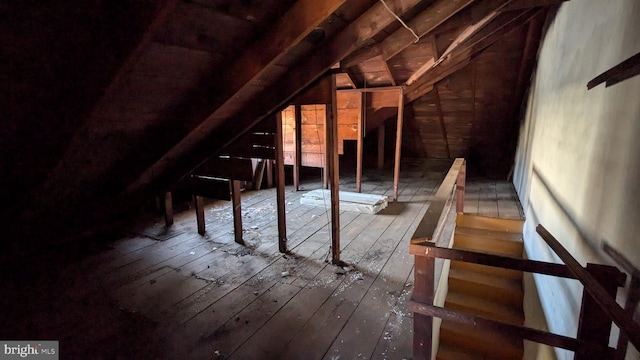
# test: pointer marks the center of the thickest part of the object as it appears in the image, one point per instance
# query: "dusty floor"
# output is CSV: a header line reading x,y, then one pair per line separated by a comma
x,y
177,295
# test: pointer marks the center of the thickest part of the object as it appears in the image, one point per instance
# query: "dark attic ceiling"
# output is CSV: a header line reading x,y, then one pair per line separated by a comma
x,y
111,102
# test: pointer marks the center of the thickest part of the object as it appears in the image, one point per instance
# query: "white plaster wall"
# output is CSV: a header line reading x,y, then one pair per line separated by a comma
x,y
578,160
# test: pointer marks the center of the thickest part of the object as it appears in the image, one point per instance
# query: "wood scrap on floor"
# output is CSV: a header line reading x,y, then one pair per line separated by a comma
x,y
349,201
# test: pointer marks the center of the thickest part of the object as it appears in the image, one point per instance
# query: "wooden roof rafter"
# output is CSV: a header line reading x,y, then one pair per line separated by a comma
x,y
221,128
486,12
421,24
462,56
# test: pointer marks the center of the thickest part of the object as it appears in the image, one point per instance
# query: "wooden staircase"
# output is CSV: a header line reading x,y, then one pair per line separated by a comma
x,y
485,291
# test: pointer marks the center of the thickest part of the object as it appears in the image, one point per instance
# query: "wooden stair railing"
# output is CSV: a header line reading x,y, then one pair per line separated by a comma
x,y
600,285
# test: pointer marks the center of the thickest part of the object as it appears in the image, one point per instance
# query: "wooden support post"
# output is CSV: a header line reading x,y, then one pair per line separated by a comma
x,y
282,220
269,173
396,166
237,211
168,209
359,153
198,201
297,158
332,151
423,292
594,325
381,147
460,185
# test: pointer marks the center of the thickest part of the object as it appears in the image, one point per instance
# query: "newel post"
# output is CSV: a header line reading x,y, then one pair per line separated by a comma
x,y
423,292
460,184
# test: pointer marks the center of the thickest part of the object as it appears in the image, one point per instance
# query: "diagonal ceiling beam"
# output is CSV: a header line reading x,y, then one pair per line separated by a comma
x,y
401,39
249,74
461,57
218,132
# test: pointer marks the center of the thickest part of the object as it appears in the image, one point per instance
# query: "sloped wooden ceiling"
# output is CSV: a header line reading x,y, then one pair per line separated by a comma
x,y
112,102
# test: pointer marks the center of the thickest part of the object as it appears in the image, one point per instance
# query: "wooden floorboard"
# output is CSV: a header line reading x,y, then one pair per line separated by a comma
x,y
213,298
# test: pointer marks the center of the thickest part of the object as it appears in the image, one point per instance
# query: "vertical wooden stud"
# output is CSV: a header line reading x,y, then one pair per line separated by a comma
x,y
269,173
381,147
361,124
333,166
396,165
297,158
237,211
258,174
282,221
199,205
168,209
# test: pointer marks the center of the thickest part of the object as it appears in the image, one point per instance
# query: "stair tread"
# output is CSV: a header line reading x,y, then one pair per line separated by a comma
x,y
484,307
496,288
490,342
491,223
485,269
448,351
486,279
489,234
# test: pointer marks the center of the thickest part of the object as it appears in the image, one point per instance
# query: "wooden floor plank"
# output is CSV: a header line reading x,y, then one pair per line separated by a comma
x,y
361,333
488,204
268,340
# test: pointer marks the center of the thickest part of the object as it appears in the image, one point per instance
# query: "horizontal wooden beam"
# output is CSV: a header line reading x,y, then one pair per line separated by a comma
x,y
607,303
518,332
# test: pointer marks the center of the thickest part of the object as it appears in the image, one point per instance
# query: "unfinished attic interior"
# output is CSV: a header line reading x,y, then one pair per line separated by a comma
x,y
335,179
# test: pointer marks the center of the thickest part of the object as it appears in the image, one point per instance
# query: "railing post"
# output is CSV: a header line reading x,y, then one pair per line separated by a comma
x,y
423,291
594,325
633,295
